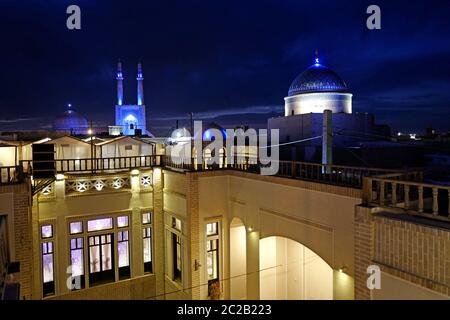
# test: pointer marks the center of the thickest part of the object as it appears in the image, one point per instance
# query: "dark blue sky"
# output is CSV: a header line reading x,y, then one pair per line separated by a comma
x,y
228,59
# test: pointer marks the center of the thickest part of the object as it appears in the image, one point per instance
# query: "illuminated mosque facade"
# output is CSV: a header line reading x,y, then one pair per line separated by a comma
x,y
130,118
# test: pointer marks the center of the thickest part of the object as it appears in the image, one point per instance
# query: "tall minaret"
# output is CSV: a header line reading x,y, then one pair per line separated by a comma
x,y
119,78
140,86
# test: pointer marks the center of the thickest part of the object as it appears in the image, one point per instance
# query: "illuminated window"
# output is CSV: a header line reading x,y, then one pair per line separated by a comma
x,y
77,262
147,249
122,221
176,223
76,227
101,259
46,231
146,218
212,229
176,248
100,224
48,287
212,259
212,255
124,254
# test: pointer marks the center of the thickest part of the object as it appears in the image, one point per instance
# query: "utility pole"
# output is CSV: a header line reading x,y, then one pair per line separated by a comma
x,y
327,142
92,146
191,116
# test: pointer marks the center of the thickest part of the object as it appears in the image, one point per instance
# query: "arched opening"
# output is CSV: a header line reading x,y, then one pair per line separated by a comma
x,y
207,155
238,260
222,159
291,271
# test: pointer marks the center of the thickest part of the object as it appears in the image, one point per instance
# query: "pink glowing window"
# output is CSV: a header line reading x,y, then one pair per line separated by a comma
x,y
100,224
122,221
47,231
76,227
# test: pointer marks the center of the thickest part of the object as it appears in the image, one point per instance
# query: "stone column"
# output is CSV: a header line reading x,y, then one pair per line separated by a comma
x,y
193,236
158,232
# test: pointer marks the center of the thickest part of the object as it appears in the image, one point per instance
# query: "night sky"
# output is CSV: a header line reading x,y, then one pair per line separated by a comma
x,y
231,62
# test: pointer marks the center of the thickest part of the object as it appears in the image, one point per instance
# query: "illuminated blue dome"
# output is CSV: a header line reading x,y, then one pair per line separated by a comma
x,y
70,121
317,78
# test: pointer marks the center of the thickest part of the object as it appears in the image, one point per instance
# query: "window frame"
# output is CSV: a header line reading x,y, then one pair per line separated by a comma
x,y
49,287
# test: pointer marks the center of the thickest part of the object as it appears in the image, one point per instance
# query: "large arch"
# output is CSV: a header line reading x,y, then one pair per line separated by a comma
x,y
291,271
238,260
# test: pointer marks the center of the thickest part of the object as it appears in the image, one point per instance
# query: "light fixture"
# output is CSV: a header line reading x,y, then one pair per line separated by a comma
x,y
134,172
250,229
59,177
343,269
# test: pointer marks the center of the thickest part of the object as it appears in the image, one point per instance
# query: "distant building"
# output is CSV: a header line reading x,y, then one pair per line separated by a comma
x,y
71,122
131,117
315,90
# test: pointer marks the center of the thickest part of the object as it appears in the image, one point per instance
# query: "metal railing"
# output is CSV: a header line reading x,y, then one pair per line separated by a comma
x,y
97,165
330,174
412,197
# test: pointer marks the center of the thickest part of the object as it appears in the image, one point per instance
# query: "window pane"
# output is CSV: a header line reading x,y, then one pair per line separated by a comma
x,y
76,227
147,250
176,223
146,218
46,231
212,229
73,243
122,221
106,257
76,257
47,267
94,258
100,224
124,259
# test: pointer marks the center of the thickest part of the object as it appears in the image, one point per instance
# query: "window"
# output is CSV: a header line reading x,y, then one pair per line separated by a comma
x,y
76,227
101,259
212,265
100,224
124,254
122,221
146,218
77,262
48,287
176,247
46,231
147,248
212,229
176,223
212,255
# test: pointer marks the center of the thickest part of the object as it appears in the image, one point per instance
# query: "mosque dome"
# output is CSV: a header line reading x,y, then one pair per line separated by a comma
x,y
71,121
317,78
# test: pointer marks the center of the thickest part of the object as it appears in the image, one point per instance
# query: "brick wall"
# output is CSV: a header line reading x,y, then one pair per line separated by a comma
x,y
409,250
22,233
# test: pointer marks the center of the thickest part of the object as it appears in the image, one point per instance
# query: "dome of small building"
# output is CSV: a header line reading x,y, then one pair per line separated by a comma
x,y
71,121
317,78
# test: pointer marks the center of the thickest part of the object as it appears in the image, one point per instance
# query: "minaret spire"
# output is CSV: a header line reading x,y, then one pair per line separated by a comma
x,y
119,78
140,85
317,60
